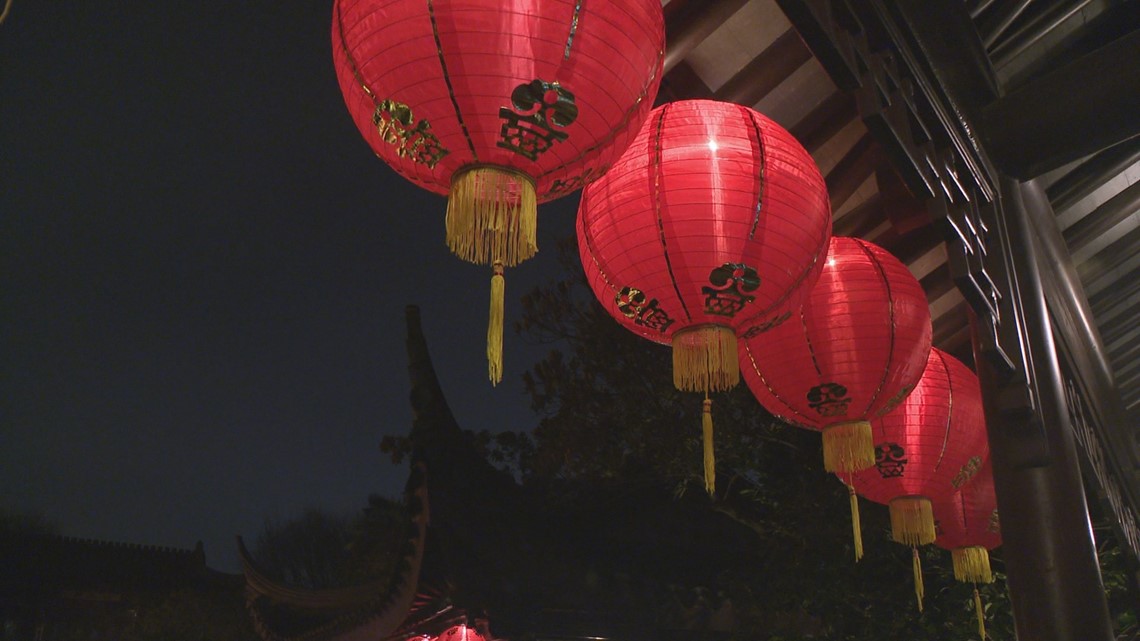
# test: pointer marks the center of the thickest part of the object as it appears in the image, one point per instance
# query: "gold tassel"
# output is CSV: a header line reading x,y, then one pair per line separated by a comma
x,y
856,527
705,359
912,520
848,447
491,216
972,564
495,326
981,612
710,455
916,567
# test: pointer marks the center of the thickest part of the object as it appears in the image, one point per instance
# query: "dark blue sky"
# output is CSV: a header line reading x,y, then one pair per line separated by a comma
x,y
204,273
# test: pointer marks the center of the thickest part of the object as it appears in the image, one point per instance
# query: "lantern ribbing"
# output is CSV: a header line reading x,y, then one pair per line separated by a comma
x,y
712,226
927,448
498,105
853,352
968,526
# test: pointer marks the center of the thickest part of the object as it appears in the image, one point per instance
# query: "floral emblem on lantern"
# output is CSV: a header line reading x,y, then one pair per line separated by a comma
x,y
769,324
530,134
967,472
894,401
562,187
635,305
394,122
890,460
729,282
995,523
829,399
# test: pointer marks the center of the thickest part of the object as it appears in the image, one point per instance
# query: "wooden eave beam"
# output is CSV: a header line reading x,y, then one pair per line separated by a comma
x,y
1131,354
937,283
949,324
1107,301
852,170
1082,108
861,219
1109,258
773,66
992,27
910,247
689,22
827,119
1112,331
1067,190
682,83
1108,215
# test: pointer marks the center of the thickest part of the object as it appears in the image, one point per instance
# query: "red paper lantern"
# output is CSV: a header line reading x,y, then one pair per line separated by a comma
x,y
967,524
711,226
926,449
499,105
460,633
853,352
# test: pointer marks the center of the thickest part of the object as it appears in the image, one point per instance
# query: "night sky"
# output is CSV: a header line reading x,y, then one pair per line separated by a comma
x,y
204,274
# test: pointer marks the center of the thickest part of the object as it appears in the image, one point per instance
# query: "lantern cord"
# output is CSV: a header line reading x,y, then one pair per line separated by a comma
x,y
856,526
981,612
916,566
710,455
495,325
4,14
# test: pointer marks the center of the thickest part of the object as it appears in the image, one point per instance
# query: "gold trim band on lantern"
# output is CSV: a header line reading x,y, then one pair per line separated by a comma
x,y
891,308
573,30
657,176
949,407
762,155
447,80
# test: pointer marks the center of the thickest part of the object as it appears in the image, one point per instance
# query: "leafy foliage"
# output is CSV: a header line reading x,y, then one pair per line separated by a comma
x,y
318,550
608,410
193,615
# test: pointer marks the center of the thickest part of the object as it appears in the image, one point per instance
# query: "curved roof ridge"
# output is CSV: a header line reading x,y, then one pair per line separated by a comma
x,y
367,612
121,545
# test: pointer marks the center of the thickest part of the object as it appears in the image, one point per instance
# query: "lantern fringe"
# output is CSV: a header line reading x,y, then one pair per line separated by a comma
x,y
972,564
848,447
491,216
916,567
981,614
856,526
705,359
912,520
709,453
495,326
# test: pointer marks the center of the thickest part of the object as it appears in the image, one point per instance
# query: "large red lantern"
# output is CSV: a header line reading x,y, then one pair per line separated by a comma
x,y
711,227
967,524
499,105
926,449
853,352
460,633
